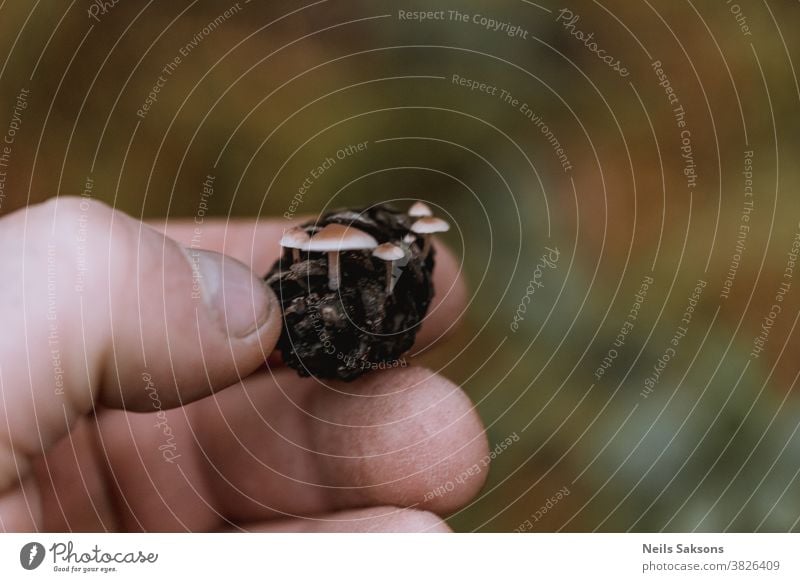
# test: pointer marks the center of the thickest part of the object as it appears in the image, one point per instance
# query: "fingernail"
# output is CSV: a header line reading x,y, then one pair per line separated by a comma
x,y
240,301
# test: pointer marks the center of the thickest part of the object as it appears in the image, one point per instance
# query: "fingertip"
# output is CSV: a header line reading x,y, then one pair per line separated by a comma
x,y
405,437
384,519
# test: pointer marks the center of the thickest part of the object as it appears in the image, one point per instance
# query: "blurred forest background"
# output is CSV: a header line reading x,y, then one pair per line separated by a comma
x,y
263,92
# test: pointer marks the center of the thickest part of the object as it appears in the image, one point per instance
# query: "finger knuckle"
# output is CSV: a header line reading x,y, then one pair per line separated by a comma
x,y
88,234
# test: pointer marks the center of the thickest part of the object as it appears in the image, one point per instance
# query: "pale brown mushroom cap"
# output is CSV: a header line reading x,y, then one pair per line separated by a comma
x,y
337,238
388,252
430,225
420,210
295,238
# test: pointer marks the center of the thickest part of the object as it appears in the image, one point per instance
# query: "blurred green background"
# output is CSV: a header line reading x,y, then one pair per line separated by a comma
x,y
263,95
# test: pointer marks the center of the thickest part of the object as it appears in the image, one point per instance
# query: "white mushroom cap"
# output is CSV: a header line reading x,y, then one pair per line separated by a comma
x,y
295,238
388,252
336,238
430,225
409,238
419,209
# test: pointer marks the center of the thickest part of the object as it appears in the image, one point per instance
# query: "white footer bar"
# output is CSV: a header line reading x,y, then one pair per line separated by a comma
x,y
387,557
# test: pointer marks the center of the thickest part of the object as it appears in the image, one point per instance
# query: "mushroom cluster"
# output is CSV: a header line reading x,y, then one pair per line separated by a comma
x,y
335,238
426,224
354,287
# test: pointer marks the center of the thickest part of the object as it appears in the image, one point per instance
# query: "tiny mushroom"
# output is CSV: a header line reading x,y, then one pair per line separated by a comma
x,y
295,239
389,253
335,238
419,210
409,238
426,227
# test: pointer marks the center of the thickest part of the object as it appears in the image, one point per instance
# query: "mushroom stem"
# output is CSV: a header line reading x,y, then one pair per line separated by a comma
x,y
426,248
333,270
426,226
389,278
295,255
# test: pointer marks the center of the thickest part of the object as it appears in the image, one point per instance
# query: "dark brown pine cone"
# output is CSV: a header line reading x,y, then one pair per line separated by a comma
x,y
359,308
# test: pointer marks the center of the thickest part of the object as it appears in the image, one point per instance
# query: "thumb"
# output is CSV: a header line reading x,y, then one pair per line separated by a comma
x,y
97,307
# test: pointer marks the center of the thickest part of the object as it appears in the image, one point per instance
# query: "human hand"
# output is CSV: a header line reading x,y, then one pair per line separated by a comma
x,y
113,357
